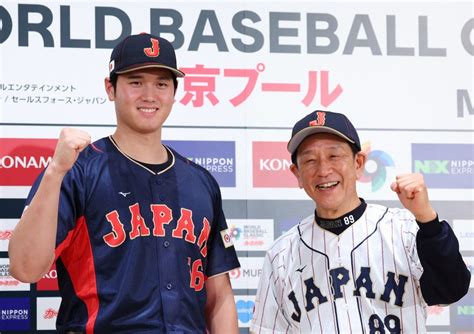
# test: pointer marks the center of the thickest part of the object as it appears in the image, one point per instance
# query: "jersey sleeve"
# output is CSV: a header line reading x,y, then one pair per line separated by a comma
x,y
268,315
445,277
222,256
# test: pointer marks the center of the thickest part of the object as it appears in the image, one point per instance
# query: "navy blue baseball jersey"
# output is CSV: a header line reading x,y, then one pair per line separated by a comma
x,y
134,247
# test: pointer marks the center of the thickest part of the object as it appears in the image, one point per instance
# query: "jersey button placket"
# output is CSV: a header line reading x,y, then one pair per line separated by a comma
x,y
159,181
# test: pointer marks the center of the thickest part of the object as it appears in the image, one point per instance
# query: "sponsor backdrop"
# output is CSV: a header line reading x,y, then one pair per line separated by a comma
x,y
402,71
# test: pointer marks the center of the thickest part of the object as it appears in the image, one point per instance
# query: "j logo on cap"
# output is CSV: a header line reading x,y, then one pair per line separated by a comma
x,y
323,121
320,119
143,51
154,51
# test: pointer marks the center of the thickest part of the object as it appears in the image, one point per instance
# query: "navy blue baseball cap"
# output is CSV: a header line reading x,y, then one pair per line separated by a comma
x,y
143,51
323,121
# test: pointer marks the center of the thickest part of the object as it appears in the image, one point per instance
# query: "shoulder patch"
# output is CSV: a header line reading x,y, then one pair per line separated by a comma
x,y
226,238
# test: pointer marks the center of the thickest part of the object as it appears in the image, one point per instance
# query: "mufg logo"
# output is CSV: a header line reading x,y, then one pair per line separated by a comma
x,y
445,165
375,170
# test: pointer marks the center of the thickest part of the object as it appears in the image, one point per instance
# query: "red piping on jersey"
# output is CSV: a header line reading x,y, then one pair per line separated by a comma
x,y
95,148
75,249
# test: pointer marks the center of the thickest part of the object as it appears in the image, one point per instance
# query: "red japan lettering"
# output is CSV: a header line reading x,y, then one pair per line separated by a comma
x,y
138,223
117,236
162,215
185,223
202,241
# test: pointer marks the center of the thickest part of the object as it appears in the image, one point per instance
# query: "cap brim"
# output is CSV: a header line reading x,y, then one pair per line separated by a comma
x,y
298,138
175,71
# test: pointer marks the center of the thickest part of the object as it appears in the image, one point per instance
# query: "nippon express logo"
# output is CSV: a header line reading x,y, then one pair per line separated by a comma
x,y
245,310
14,314
445,165
218,157
375,169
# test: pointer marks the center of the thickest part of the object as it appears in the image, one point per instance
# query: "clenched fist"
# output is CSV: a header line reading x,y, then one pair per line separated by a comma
x,y
413,194
70,143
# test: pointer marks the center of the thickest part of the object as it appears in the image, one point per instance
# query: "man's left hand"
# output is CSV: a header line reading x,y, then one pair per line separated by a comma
x,y
413,194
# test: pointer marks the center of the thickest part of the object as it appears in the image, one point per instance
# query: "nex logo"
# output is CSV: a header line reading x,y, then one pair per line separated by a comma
x,y
432,166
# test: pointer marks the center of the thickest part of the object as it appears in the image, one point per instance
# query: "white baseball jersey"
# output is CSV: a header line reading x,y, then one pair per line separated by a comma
x,y
365,280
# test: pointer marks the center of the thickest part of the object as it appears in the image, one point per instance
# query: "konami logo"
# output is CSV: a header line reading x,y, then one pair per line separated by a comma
x,y
49,281
22,159
271,166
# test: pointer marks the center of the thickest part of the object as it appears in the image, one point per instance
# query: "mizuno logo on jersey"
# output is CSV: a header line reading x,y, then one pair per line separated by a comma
x,y
301,269
124,194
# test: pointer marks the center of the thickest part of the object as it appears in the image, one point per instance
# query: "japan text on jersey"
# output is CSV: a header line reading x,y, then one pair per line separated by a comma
x,y
146,243
365,280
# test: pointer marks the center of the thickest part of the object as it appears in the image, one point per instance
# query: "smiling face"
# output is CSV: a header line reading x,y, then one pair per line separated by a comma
x,y
327,170
143,100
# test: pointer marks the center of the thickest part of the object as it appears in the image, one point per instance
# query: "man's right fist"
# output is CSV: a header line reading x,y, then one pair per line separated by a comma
x,y
70,143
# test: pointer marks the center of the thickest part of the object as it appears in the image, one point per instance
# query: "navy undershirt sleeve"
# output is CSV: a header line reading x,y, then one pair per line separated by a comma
x,y
445,277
